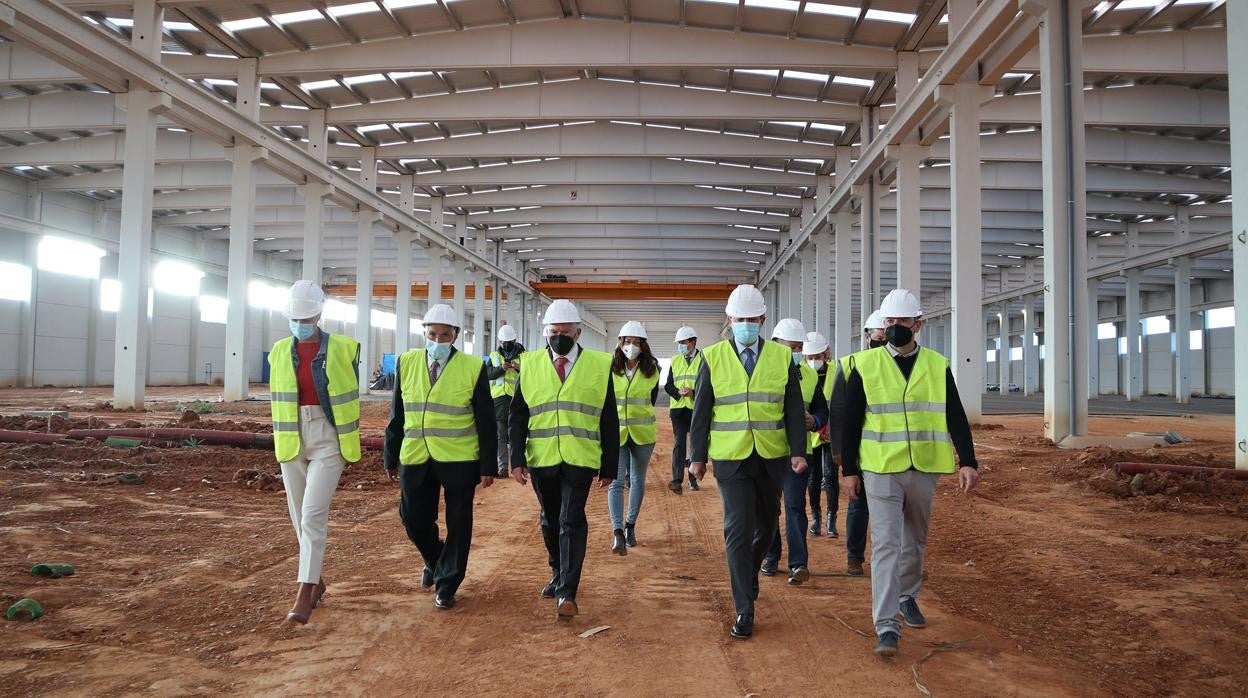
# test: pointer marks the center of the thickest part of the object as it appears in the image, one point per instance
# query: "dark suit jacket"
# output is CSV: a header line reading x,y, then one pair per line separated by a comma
x,y
451,474
704,401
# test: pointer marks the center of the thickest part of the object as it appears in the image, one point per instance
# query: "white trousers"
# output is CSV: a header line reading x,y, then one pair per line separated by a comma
x,y
901,509
310,481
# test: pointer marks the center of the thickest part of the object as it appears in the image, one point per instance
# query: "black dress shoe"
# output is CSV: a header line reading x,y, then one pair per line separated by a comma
x,y
743,628
426,578
693,485
768,569
566,608
548,591
630,535
619,546
444,602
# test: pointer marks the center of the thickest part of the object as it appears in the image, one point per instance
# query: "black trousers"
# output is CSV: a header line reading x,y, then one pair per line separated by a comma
x,y
682,418
750,492
562,491
420,487
823,479
502,418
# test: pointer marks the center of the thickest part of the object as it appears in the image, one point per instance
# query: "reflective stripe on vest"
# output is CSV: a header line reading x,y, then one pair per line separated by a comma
x,y
905,423
564,415
632,405
344,397
684,375
438,421
748,413
504,385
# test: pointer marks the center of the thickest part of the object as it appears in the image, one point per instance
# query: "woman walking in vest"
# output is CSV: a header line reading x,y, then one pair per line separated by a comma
x,y
636,380
314,395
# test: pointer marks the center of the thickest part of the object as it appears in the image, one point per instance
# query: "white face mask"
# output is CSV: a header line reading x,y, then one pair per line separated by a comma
x,y
816,364
631,351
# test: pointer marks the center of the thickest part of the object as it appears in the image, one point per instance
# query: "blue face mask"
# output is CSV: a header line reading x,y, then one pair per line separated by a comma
x,y
302,331
438,351
745,332
797,358
684,350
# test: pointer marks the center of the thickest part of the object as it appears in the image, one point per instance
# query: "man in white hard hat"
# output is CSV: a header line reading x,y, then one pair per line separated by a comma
x,y
564,433
790,333
314,396
503,372
441,436
748,416
903,423
679,388
857,516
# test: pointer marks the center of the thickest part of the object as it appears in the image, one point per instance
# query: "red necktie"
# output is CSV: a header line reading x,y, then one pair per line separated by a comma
x,y
561,367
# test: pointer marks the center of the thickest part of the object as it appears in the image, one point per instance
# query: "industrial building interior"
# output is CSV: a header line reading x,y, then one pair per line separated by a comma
x,y
1052,178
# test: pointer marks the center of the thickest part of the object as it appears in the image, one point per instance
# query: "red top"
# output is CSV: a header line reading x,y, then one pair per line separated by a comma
x,y
303,374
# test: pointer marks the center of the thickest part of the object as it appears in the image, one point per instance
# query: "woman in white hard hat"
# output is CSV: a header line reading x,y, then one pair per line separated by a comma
x,y
679,388
503,372
636,380
790,334
823,476
315,400
440,441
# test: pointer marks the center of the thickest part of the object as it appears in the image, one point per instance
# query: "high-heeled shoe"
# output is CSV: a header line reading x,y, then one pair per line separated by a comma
x,y
318,592
300,618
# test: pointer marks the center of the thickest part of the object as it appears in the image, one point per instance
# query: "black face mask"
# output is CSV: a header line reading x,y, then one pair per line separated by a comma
x,y
876,343
509,347
899,335
561,344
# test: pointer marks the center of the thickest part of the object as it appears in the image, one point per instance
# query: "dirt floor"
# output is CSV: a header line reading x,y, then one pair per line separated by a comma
x,y
1056,578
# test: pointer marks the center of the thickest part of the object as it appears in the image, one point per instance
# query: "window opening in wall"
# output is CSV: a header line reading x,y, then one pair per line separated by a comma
x,y
110,295
1198,340
1217,318
176,278
262,295
70,257
1158,324
213,309
1106,330
14,282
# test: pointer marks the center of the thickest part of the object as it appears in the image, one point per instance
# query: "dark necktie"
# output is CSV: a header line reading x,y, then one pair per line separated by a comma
x,y
434,371
747,360
561,367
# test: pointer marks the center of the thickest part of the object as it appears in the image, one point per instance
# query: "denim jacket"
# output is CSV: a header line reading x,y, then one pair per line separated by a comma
x,y
320,378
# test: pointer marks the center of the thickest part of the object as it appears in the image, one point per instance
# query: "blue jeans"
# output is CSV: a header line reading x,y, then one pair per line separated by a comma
x,y
634,461
795,521
856,521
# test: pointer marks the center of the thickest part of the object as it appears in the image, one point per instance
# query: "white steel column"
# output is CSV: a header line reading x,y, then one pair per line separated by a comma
x,y
461,271
1237,60
314,194
365,243
1131,313
1065,230
242,230
1182,310
806,286
1029,348
967,318
823,283
846,340
403,273
479,346
909,154
1003,355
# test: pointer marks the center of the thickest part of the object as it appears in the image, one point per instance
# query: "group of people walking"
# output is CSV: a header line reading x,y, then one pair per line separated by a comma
x,y
776,417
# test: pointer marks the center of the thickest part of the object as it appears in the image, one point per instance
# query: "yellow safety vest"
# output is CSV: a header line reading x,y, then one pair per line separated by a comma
x,y
748,413
564,416
810,380
632,404
438,421
504,385
684,375
905,425
341,355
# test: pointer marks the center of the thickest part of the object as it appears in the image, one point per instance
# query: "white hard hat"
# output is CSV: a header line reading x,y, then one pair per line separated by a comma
x,y
442,314
561,311
815,344
900,303
632,328
507,333
745,301
686,332
790,330
875,321
307,300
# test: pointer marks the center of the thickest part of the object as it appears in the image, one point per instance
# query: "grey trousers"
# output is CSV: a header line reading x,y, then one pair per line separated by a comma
x,y
750,493
901,508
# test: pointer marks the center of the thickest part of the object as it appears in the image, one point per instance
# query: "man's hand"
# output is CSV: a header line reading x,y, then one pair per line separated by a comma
x,y
850,485
487,480
604,481
968,478
697,470
510,366
798,464
393,474
520,474
685,392
810,421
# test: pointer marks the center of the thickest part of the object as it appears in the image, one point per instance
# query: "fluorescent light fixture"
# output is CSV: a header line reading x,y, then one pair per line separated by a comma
x,y
356,8
801,75
401,75
285,18
249,23
373,127
364,79
318,84
400,4
856,82
773,4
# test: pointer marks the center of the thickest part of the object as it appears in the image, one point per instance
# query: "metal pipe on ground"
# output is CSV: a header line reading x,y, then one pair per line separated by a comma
x,y
215,437
1136,468
28,437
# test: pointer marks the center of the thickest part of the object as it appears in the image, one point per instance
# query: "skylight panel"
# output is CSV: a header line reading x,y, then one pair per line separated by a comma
x,y
249,23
